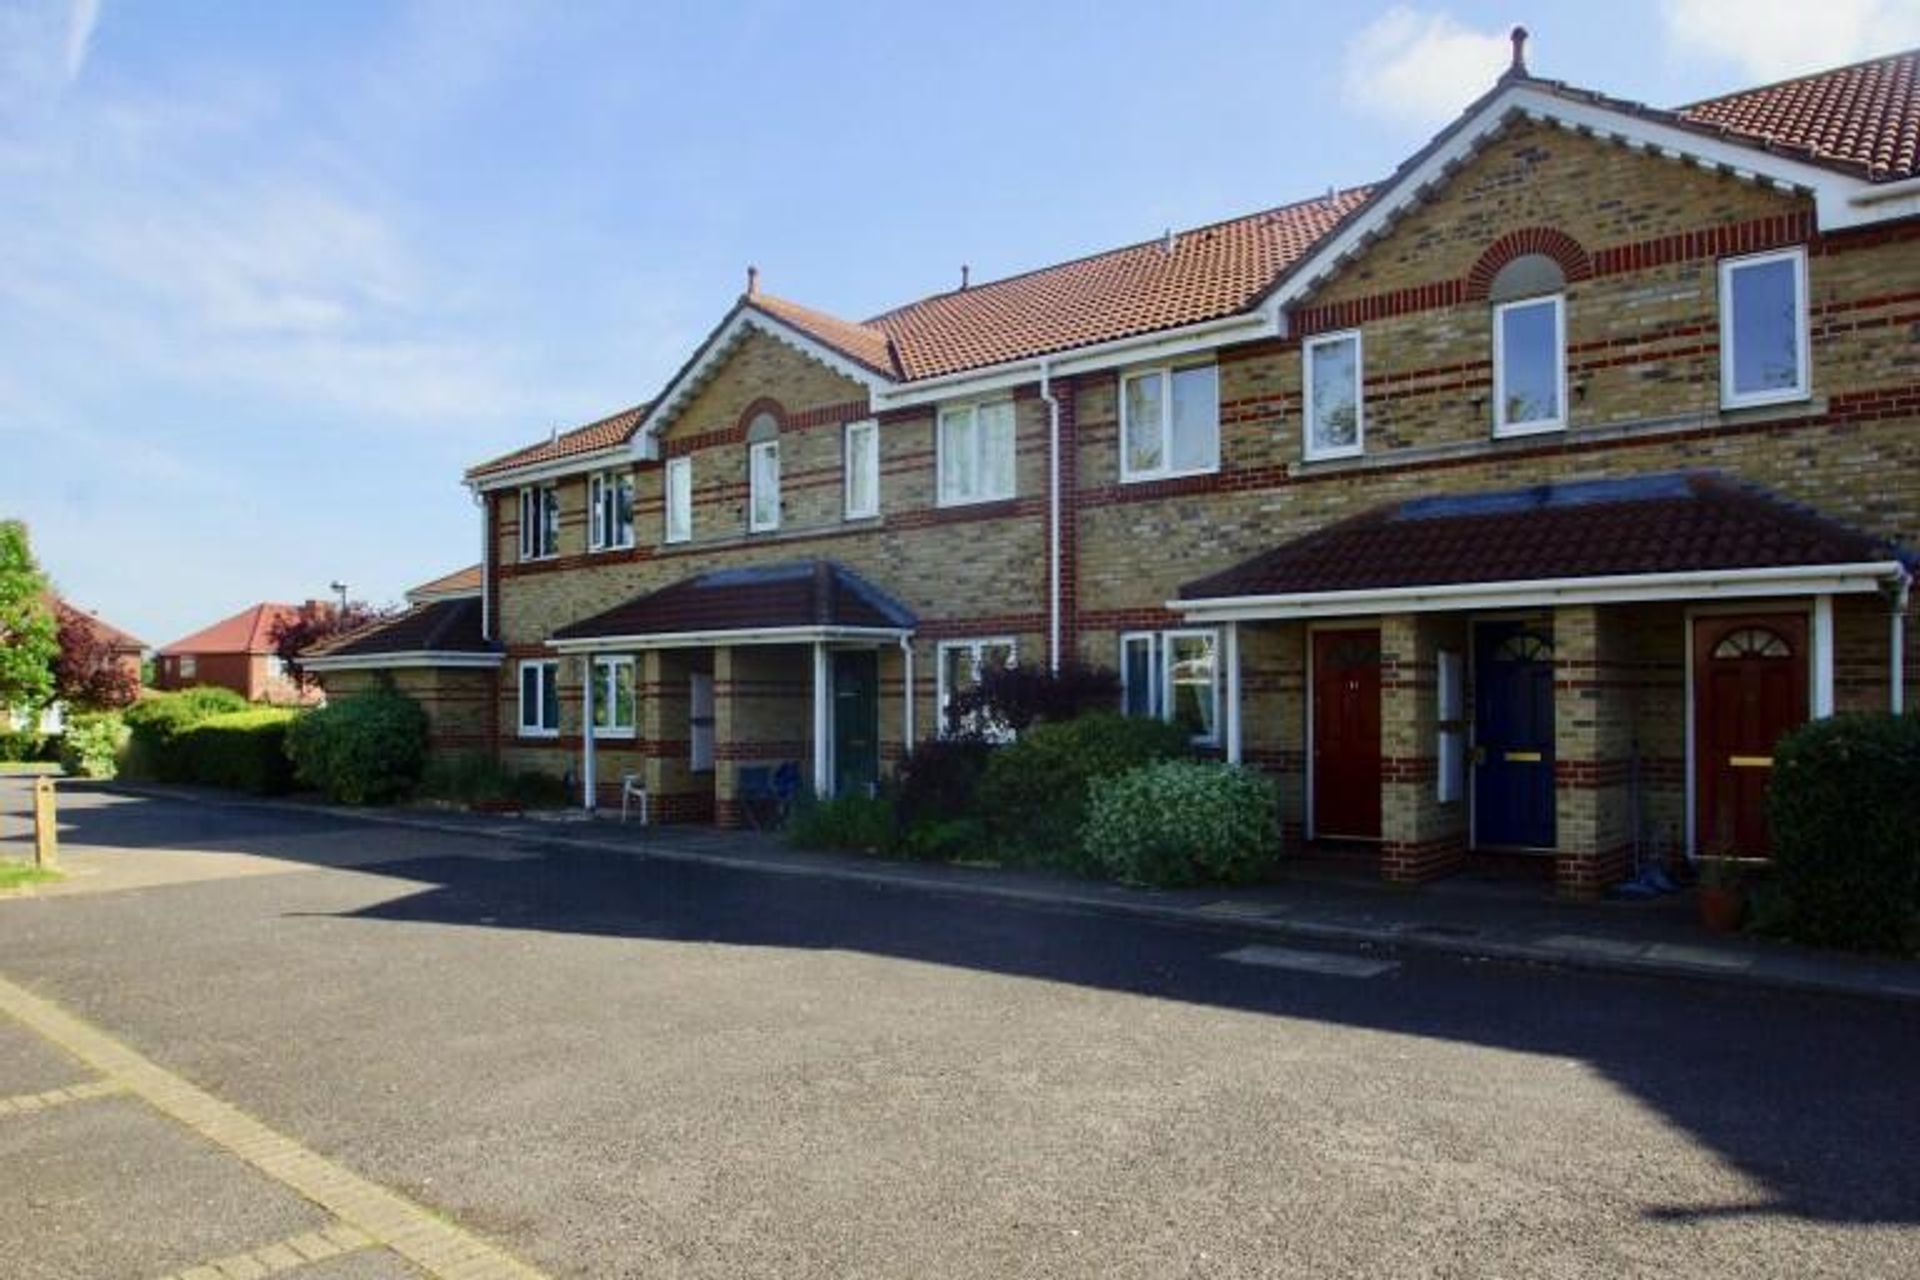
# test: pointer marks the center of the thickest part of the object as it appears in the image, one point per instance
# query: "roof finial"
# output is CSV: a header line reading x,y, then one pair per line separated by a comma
x,y
753,281
965,272
1519,38
1167,244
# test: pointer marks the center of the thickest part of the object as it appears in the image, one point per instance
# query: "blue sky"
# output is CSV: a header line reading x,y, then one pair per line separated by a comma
x,y
272,274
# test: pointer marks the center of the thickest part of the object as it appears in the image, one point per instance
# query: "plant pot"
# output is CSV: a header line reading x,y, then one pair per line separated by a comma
x,y
1721,908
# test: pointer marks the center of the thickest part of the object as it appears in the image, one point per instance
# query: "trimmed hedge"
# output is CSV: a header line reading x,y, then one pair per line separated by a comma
x,y
369,748
1845,807
18,746
92,744
1181,822
245,750
156,722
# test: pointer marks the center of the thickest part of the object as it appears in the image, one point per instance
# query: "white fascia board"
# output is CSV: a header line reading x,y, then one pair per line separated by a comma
x,y
747,636
390,661
1165,344
559,468
1728,584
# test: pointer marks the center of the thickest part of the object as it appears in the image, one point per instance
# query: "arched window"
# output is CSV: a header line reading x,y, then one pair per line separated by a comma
x,y
1529,346
763,473
1753,642
1524,646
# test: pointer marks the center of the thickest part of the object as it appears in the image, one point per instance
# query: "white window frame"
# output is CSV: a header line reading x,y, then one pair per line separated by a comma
x,y
1311,451
754,451
677,492
1166,470
978,446
539,516
868,427
1730,398
1501,427
603,509
547,671
186,666
606,667
976,648
1160,666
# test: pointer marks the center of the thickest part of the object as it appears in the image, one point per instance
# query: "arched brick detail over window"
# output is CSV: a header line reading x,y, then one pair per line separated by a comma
x,y
764,405
1555,244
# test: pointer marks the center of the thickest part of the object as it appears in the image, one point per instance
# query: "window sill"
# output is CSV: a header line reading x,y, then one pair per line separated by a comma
x,y
538,735
1521,430
1335,455
947,504
1150,477
1764,400
613,735
609,550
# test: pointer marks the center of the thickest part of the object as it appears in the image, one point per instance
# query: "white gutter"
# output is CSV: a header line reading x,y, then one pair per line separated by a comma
x,y
411,658
1886,191
701,639
1053,515
1836,579
559,468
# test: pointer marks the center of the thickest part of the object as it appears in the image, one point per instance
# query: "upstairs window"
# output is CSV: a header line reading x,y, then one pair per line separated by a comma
x,y
1169,422
976,453
679,499
539,522
763,484
863,469
610,510
1763,329
1529,366
1334,397
540,699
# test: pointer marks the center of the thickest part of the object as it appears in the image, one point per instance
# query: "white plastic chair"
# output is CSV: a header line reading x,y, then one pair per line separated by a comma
x,y
631,789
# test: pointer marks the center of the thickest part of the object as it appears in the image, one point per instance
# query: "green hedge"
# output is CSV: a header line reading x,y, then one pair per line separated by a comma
x,y
1181,822
156,722
856,823
369,748
17,746
244,750
1845,807
93,743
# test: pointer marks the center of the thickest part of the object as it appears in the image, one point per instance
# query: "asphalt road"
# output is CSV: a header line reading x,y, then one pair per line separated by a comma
x,y
616,1067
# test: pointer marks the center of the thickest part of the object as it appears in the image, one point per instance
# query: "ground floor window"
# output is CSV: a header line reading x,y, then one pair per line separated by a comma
x,y
961,665
1174,675
613,698
539,699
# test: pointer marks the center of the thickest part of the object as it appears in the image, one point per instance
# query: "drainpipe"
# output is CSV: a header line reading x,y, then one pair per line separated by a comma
x,y
906,683
485,504
1897,646
1053,514
588,783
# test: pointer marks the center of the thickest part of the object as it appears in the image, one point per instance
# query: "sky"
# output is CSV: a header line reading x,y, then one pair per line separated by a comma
x,y
272,275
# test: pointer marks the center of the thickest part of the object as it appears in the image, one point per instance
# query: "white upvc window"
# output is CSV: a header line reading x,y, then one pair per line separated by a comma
x,y
679,499
613,696
1530,366
961,663
1335,420
609,510
539,522
540,699
188,665
1763,329
1169,422
763,486
975,446
862,450
1174,675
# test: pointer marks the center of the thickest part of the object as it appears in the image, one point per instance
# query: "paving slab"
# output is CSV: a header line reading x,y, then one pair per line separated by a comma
x,y
28,1064
367,1264
107,1188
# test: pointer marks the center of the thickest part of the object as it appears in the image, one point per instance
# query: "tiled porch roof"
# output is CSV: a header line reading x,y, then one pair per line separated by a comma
x,y
798,594
441,626
1679,522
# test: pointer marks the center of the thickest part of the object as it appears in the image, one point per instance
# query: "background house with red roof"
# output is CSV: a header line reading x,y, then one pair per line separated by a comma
x,y
108,645
235,653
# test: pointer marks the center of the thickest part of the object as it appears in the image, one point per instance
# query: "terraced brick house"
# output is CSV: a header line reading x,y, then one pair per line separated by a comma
x,y
1516,503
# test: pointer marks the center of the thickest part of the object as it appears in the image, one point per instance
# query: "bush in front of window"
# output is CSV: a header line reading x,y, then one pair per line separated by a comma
x,y
93,743
1845,806
938,780
1182,822
853,823
156,722
1034,792
242,750
366,749
1017,697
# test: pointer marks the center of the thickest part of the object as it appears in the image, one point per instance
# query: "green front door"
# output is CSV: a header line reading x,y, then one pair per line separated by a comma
x,y
856,722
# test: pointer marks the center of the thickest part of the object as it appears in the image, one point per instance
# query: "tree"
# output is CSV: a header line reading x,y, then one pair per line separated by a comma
x,y
313,622
88,673
28,643
1016,697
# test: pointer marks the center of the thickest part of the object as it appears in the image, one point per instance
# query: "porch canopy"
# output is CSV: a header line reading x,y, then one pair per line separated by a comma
x,y
441,633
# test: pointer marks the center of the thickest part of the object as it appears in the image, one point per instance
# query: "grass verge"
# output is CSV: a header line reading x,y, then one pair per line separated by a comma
x,y
19,875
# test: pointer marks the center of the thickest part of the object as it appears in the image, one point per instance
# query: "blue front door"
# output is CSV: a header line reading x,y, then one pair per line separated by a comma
x,y
1513,736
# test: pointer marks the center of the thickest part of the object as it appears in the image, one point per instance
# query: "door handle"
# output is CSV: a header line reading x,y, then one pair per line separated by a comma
x,y
1750,762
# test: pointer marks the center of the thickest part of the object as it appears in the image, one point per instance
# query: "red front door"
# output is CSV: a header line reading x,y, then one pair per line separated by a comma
x,y
1346,734
1749,687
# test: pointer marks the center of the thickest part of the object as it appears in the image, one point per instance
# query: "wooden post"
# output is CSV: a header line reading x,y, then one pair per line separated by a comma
x,y
46,839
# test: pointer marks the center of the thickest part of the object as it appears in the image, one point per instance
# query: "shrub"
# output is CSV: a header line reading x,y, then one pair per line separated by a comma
x,y
244,750
157,720
1018,697
20,745
863,824
1179,822
944,840
1034,793
1845,807
92,744
369,748
472,778
938,779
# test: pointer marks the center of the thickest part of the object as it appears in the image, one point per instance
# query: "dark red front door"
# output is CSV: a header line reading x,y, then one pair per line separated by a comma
x,y
1346,734
1749,687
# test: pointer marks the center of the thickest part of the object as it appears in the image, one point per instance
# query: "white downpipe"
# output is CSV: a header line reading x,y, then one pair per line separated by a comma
x,y
1897,647
822,777
588,798
1230,655
485,503
1053,514
906,684
1822,656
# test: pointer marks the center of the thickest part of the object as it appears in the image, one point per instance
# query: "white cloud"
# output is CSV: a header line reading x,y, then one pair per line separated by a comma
x,y
1417,68
1775,39
81,21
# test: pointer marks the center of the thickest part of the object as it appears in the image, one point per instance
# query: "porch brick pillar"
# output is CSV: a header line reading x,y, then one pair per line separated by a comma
x,y
726,767
1420,838
1593,725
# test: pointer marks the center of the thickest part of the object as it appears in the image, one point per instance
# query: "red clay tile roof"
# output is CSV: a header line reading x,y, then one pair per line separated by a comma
x,y
105,632
249,631
440,626
1864,117
591,438
1667,523
803,593
461,582
858,342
